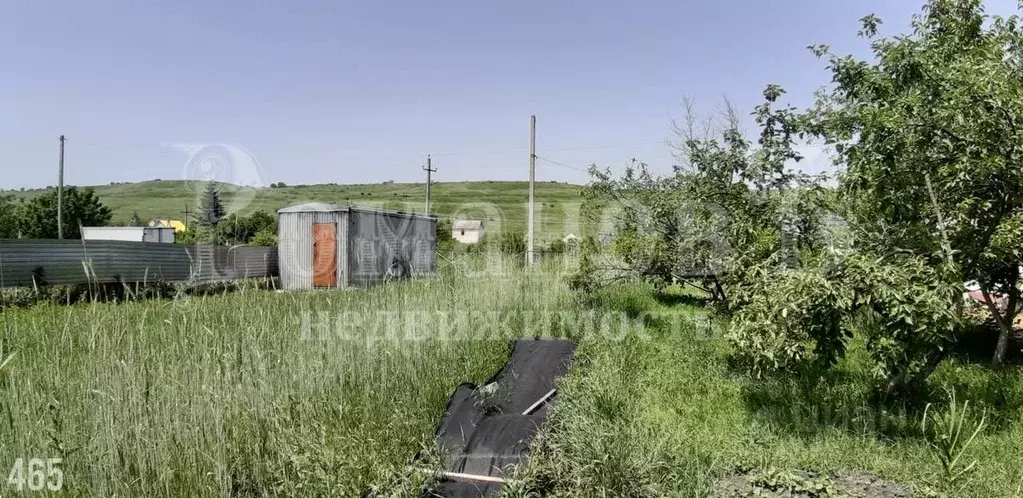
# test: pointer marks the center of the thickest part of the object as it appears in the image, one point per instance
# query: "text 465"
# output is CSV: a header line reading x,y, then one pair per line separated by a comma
x,y
37,474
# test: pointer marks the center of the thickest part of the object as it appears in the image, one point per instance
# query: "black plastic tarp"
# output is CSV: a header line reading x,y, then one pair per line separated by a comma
x,y
484,432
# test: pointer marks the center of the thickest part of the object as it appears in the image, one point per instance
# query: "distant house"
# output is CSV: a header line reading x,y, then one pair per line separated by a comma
x,y
177,225
570,239
467,231
605,237
130,234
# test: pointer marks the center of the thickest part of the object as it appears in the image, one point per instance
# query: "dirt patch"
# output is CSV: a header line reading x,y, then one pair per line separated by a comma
x,y
785,484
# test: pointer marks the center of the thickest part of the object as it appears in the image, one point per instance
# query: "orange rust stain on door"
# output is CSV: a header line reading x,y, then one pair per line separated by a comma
x,y
324,255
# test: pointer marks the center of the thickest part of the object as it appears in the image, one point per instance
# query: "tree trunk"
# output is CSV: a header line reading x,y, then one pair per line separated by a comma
x,y
1003,345
1004,321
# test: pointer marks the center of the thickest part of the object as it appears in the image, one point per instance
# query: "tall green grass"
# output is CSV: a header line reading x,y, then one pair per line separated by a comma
x,y
222,395
668,417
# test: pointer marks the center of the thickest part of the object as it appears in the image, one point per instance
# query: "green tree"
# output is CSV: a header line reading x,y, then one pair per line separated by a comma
x,y
445,241
240,229
9,213
211,209
931,134
135,220
722,210
264,238
81,207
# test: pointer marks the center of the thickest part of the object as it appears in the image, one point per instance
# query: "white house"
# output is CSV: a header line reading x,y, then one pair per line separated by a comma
x,y
129,234
467,231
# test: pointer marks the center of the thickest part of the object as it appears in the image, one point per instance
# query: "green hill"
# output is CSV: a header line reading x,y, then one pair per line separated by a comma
x,y
501,204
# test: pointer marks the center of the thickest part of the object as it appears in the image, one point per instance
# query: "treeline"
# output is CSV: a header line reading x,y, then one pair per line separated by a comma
x,y
213,225
36,218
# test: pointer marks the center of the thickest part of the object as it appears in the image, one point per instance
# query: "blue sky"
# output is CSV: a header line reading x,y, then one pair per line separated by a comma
x,y
360,92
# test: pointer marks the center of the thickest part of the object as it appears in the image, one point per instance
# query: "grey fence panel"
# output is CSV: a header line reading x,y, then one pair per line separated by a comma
x,y
254,261
383,243
28,262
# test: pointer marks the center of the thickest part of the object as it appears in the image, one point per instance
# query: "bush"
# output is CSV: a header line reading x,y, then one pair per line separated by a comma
x,y
264,238
511,243
557,246
905,309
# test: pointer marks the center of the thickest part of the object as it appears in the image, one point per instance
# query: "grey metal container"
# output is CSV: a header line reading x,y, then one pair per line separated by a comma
x,y
369,246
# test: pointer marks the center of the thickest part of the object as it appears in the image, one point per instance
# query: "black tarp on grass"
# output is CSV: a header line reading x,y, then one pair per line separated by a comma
x,y
483,430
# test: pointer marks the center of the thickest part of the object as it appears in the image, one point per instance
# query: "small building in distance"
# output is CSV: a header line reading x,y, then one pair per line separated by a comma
x,y
130,234
177,225
467,231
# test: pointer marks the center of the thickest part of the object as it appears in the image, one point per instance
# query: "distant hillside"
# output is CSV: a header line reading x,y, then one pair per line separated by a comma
x,y
501,204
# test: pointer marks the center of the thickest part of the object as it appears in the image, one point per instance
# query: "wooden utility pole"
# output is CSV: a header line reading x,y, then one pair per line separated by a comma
x,y
60,191
185,221
532,178
428,170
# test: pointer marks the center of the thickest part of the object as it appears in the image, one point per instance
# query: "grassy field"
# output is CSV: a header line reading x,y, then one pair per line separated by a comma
x,y
240,395
667,417
225,395
501,204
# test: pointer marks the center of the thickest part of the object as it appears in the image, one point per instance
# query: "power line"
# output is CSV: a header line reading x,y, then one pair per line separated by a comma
x,y
557,149
562,164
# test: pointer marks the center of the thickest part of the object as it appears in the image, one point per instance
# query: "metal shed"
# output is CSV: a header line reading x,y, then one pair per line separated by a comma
x,y
326,246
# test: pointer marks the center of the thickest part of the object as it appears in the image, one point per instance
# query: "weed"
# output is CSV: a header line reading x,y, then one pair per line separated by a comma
x,y
945,433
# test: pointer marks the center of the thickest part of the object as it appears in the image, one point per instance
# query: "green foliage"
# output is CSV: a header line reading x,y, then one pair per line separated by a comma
x,y
801,319
511,243
584,278
264,238
797,484
198,234
135,220
211,209
81,207
556,246
949,434
936,112
723,210
445,241
9,213
795,319
237,229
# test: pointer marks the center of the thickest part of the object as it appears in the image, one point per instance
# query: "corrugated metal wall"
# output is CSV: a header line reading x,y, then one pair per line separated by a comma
x,y
23,262
295,243
370,243
380,242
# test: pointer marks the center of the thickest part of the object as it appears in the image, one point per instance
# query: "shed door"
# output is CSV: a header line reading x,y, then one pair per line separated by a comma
x,y
324,255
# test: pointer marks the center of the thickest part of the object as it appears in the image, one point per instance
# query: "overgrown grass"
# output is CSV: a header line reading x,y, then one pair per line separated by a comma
x,y
222,395
667,417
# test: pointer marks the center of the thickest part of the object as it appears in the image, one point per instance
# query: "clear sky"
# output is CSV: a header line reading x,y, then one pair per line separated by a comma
x,y
361,92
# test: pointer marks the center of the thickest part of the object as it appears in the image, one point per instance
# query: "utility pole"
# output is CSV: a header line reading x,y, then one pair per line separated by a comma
x,y
428,170
185,221
532,178
60,192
